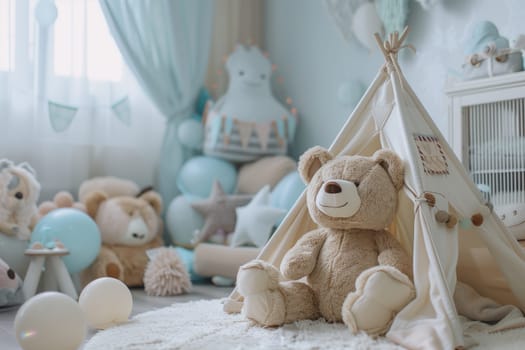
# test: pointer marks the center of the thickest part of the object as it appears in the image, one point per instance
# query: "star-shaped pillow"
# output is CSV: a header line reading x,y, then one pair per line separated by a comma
x,y
256,220
218,211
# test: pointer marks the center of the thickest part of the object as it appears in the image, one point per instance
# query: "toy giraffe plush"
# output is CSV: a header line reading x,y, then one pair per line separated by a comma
x,y
355,270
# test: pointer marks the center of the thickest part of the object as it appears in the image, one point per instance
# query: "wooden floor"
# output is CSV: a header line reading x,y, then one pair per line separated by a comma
x,y
141,303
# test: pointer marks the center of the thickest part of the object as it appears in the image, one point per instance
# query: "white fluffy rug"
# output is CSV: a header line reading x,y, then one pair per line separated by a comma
x,y
203,325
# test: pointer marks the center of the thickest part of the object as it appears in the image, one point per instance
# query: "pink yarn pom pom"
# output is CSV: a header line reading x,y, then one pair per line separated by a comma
x,y
166,275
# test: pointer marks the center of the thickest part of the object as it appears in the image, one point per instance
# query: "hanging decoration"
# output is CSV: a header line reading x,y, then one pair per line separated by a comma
x,y
393,14
365,22
342,12
61,116
122,110
45,13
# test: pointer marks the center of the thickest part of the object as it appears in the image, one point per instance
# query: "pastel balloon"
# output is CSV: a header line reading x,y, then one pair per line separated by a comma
x,y
191,134
50,320
76,230
197,175
286,192
182,220
105,302
365,23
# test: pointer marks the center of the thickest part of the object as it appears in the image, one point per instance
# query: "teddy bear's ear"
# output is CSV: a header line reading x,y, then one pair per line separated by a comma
x,y
27,167
5,163
154,199
311,161
393,165
93,201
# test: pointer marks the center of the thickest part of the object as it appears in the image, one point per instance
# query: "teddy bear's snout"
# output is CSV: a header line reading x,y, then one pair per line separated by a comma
x,y
137,232
338,198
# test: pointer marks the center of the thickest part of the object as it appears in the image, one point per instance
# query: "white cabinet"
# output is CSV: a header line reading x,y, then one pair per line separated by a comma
x,y
487,132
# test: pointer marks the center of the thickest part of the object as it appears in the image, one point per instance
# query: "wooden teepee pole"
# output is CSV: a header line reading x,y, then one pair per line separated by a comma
x,y
391,46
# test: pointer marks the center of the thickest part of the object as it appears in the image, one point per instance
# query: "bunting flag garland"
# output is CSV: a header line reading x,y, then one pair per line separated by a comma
x,y
291,122
263,131
215,130
122,110
245,132
61,116
227,127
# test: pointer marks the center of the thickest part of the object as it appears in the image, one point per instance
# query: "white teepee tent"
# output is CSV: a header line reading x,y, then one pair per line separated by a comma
x,y
486,257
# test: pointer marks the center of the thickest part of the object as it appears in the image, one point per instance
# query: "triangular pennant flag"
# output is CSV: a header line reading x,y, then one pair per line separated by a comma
x,y
263,131
122,110
61,116
215,130
292,124
245,132
227,128
281,128
228,125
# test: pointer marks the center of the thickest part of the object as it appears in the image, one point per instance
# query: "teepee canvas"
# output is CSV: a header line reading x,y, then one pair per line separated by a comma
x,y
483,255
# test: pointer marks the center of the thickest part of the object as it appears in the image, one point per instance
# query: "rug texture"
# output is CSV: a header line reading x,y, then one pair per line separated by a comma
x,y
203,325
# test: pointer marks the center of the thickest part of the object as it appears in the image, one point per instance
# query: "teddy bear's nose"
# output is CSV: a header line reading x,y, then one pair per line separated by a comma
x,y
138,235
11,274
332,187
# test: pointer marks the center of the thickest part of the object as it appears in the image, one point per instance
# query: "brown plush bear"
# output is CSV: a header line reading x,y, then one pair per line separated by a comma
x,y
129,226
355,270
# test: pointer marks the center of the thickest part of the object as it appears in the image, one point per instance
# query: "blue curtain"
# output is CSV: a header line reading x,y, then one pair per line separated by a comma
x,y
165,43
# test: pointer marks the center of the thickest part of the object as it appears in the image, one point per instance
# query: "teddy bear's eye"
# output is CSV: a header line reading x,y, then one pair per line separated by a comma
x,y
19,195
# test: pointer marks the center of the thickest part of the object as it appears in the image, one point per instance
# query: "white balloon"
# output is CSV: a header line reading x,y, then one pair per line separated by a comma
x,y
365,23
50,320
106,302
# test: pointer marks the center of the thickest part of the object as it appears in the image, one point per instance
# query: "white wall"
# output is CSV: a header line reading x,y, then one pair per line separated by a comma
x,y
315,60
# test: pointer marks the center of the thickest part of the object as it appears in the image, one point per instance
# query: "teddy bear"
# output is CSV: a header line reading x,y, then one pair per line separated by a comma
x,y
19,192
130,225
350,269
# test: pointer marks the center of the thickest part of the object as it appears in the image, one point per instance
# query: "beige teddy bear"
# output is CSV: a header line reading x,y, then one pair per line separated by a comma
x,y
355,270
130,225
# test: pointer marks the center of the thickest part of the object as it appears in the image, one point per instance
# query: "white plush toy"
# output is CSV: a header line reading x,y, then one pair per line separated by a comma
x,y
248,122
19,192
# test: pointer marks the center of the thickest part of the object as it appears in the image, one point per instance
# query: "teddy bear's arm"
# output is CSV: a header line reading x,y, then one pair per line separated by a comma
x,y
391,253
300,260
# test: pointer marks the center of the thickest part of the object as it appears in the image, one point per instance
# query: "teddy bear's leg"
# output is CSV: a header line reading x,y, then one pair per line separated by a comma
x,y
270,302
106,264
381,292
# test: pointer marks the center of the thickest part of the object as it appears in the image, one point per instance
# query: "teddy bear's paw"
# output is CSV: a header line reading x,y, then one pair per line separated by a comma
x,y
257,276
113,270
381,292
267,308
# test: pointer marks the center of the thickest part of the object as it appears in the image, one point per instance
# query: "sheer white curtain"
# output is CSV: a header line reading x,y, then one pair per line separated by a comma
x,y
69,106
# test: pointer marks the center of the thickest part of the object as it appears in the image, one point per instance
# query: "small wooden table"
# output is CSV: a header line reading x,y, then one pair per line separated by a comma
x,y
52,259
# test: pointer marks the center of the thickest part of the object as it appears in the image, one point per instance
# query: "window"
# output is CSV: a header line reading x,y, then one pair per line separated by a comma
x,y
7,34
82,44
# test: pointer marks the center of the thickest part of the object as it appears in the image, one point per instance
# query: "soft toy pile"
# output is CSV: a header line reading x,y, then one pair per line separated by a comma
x,y
356,271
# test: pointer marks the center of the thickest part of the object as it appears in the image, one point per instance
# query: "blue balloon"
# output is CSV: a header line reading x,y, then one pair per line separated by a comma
x,y
76,230
182,220
197,175
286,192
191,134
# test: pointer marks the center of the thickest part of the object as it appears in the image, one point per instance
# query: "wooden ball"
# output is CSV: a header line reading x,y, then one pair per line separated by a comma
x,y
452,221
477,219
442,216
431,200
